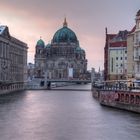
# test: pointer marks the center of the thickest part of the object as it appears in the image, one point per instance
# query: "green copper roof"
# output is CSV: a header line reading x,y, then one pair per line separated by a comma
x,y
48,45
64,35
78,49
40,43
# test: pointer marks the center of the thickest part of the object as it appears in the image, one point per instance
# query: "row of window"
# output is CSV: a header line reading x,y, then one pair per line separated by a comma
x,y
121,52
121,58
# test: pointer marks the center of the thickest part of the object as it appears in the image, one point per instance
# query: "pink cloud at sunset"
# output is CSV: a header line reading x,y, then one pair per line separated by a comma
x,y
28,20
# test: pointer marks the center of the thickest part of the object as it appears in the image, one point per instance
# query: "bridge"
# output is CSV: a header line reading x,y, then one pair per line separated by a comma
x,y
70,80
38,83
77,81
70,89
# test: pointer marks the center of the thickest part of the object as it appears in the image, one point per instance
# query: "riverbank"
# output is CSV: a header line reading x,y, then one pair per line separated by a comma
x,y
35,85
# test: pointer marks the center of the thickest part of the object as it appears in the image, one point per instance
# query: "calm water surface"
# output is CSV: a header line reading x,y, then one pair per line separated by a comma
x,y
63,115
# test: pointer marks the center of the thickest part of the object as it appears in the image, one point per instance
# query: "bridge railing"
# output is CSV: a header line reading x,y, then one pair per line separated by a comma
x,y
69,80
115,85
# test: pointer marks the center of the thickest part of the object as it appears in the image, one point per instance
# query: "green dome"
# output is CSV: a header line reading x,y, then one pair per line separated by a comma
x,y
78,50
48,45
64,35
40,43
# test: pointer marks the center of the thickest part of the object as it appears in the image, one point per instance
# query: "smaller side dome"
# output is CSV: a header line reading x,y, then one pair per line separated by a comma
x,y
78,49
48,45
138,13
40,43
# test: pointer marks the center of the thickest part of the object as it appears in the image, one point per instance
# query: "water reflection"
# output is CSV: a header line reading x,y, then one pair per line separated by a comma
x,y
63,115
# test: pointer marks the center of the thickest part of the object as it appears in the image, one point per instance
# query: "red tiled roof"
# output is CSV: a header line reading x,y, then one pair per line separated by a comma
x,y
119,44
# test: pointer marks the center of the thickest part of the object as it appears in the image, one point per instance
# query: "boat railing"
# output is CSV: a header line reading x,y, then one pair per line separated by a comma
x,y
116,85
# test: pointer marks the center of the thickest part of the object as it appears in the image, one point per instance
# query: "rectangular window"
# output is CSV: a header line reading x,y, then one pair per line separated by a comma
x,y
112,64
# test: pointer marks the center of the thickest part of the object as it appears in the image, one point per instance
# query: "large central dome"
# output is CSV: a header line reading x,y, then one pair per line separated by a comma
x,y
64,35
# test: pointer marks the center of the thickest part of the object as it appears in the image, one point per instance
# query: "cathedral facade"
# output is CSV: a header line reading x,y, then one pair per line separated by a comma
x,y
63,58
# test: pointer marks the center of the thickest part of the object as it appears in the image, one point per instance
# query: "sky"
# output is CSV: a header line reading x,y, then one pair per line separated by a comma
x,y
28,20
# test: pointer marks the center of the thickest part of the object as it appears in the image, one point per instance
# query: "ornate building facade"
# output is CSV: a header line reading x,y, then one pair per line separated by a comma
x,y
13,62
133,51
130,55
63,58
136,47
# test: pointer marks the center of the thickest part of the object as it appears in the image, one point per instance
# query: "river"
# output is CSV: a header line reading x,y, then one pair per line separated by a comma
x,y
63,115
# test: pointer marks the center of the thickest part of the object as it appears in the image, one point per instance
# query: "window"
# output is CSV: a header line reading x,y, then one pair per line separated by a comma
x,y
116,58
112,64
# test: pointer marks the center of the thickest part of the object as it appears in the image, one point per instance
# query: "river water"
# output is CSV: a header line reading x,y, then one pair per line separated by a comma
x,y
63,115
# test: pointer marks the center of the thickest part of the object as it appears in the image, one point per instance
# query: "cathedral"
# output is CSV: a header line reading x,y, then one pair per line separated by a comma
x,y
63,58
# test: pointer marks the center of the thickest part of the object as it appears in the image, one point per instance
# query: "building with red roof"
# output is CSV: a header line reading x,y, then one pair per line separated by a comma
x,y
115,56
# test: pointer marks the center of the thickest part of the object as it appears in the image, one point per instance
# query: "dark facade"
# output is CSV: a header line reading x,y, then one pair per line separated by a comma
x,y
13,62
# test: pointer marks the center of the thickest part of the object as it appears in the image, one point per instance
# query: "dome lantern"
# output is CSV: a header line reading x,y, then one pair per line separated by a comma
x,y
65,24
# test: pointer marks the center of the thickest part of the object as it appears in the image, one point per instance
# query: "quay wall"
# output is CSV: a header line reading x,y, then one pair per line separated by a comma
x,y
9,89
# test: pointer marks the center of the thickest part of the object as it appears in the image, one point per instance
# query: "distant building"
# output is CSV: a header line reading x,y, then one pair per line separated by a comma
x,y
30,71
115,56
63,58
13,62
97,76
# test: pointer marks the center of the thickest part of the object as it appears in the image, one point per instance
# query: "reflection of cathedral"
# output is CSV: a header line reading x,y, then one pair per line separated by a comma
x,y
55,60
